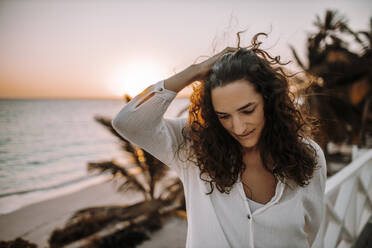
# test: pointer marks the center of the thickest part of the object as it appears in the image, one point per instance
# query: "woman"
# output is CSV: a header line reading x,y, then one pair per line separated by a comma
x,y
252,175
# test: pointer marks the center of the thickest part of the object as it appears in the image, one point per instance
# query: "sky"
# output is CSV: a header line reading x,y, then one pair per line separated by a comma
x,y
105,48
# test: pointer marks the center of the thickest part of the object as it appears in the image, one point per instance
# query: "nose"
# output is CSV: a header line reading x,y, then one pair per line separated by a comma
x,y
238,126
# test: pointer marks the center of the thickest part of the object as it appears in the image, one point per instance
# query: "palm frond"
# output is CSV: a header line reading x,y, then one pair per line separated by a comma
x,y
127,98
174,185
106,122
128,186
338,42
333,20
340,69
174,193
91,223
115,169
298,60
367,34
318,22
134,151
156,171
104,166
329,19
18,242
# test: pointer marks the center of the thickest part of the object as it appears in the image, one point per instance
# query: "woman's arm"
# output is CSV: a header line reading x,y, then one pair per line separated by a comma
x,y
315,201
141,120
196,72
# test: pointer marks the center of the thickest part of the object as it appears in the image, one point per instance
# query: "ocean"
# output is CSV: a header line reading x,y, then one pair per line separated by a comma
x,y
45,145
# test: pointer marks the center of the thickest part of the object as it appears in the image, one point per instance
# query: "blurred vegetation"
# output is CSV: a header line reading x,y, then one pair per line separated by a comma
x,y
340,97
125,226
339,62
17,243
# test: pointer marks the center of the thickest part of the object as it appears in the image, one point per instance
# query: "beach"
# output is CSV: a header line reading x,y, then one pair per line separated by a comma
x,y
35,222
43,176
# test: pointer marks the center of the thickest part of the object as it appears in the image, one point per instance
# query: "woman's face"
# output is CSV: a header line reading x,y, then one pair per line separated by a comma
x,y
240,110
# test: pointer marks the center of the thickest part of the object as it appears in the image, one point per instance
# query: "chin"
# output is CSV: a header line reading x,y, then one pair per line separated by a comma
x,y
250,145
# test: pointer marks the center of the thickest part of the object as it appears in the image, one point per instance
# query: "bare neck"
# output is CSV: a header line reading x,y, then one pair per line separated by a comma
x,y
253,161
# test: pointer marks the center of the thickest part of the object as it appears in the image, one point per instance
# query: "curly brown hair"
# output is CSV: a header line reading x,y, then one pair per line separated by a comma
x,y
218,154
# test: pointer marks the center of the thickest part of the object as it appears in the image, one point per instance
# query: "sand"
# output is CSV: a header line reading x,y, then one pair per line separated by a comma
x,y
35,222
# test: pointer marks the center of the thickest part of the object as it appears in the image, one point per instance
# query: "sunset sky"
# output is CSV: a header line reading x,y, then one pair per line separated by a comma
x,y
104,48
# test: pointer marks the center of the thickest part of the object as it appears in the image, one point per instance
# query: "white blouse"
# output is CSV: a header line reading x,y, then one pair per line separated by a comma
x,y
220,219
254,205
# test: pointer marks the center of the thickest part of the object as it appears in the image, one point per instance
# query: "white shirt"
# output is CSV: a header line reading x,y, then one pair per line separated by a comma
x,y
254,205
220,219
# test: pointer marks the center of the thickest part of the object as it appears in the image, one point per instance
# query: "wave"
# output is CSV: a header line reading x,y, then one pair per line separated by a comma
x,y
46,188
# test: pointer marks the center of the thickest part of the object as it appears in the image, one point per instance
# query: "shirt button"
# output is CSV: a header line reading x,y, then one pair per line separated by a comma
x,y
249,216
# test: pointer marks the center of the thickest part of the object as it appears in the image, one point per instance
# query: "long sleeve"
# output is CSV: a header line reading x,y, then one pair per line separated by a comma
x,y
315,201
141,122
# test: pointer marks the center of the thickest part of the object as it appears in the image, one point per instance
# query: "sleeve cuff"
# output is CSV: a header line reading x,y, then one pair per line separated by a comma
x,y
159,87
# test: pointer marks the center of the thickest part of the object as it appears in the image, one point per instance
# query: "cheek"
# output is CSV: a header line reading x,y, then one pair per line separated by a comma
x,y
225,124
260,117
256,118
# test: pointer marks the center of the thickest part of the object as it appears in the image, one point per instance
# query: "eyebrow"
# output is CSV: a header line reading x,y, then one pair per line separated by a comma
x,y
245,106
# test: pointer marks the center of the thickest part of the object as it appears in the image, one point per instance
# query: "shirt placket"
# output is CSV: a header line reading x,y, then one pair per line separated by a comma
x,y
250,216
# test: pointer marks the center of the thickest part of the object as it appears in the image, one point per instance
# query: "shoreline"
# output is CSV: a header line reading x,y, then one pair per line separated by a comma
x,y
36,221
12,202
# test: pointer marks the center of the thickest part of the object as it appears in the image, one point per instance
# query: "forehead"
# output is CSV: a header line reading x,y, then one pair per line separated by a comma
x,y
234,95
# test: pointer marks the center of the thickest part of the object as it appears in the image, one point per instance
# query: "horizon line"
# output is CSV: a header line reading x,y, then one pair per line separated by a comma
x,y
72,98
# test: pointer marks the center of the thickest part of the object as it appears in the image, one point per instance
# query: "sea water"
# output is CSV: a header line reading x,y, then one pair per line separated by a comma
x,y
45,145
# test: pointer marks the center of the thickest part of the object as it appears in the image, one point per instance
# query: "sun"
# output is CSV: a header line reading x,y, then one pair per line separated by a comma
x,y
133,78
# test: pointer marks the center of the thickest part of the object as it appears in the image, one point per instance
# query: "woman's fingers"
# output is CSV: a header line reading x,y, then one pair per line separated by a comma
x,y
232,49
224,51
229,49
207,64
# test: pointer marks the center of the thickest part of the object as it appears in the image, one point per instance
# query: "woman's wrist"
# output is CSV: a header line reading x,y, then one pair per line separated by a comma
x,y
180,80
195,72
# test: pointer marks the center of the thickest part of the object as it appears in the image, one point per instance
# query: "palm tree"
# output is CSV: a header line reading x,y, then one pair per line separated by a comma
x,y
341,94
17,243
113,226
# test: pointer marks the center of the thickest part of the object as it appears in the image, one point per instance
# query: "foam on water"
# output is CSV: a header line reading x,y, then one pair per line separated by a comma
x,y
45,146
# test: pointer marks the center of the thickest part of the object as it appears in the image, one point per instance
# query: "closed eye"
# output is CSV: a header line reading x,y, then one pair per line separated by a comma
x,y
244,112
222,116
248,112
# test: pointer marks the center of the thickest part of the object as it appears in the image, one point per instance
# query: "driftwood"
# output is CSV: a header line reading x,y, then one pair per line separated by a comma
x,y
17,243
125,226
144,217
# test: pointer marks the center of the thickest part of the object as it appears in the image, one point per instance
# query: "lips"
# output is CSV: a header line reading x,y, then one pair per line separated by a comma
x,y
246,135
